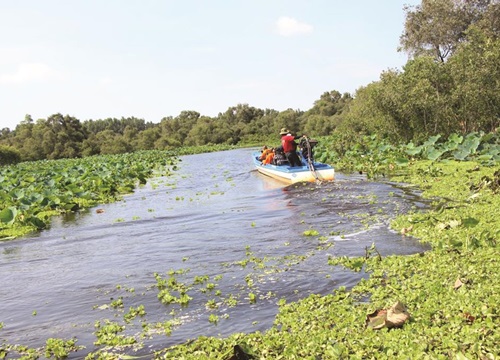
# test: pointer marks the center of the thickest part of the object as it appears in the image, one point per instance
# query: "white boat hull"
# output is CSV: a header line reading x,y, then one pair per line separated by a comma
x,y
296,174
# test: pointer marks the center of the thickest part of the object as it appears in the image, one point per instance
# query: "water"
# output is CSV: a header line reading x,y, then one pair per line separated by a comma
x,y
218,218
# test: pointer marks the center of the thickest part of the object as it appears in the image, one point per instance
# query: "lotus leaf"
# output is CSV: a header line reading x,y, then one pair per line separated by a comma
x,y
8,215
434,154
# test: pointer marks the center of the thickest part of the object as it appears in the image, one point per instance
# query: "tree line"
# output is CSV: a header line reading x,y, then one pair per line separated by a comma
x,y
64,136
450,84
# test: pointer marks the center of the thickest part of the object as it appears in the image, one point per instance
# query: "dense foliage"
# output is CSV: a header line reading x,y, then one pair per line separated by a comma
x,y
436,27
32,192
377,157
451,84
9,155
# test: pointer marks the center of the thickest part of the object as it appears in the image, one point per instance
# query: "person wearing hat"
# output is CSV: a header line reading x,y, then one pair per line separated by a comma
x,y
290,147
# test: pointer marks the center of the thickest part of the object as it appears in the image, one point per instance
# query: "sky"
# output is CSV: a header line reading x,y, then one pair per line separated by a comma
x,y
98,59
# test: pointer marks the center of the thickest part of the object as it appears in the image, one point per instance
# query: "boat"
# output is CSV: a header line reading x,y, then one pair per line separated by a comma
x,y
310,171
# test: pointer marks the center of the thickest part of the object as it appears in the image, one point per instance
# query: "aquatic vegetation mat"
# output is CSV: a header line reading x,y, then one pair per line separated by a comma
x,y
448,296
32,192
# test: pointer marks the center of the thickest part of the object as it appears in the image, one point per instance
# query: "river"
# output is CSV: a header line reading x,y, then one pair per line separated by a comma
x,y
216,220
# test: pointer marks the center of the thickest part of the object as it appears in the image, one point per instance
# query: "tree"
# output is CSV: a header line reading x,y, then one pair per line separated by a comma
x,y
177,129
63,137
326,113
91,146
131,134
437,27
147,138
426,87
22,139
9,155
490,22
373,111
112,143
290,119
476,72
201,133
330,103
5,133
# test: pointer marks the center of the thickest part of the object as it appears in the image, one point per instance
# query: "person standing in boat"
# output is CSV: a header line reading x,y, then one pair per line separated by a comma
x,y
290,147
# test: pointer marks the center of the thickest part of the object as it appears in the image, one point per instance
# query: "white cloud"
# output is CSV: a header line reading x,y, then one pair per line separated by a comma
x,y
287,26
28,72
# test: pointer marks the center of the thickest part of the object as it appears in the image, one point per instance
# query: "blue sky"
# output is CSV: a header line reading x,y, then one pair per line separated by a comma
x,y
154,58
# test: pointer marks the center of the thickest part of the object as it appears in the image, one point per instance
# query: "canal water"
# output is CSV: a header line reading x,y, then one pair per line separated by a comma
x,y
237,241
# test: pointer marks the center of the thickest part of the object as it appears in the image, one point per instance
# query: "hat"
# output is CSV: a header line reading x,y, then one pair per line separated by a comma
x,y
284,131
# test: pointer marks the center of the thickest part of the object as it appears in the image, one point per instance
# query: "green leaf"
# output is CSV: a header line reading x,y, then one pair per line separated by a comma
x,y
29,179
70,207
455,138
484,157
434,154
470,222
39,224
8,215
384,148
461,154
432,140
471,144
414,150
401,161
17,194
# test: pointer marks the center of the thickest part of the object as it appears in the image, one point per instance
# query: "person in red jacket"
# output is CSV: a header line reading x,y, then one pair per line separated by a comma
x,y
290,147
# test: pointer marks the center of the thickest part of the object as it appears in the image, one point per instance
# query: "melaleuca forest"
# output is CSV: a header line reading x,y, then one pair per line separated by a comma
x,y
433,124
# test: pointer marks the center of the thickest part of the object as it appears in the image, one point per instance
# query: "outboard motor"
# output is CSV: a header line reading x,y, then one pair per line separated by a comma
x,y
306,147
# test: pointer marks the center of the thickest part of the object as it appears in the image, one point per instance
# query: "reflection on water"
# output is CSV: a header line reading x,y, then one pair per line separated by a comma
x,y
216,218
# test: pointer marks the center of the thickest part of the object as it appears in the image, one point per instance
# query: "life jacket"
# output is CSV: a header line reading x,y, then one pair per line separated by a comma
x,y
269,158
264,154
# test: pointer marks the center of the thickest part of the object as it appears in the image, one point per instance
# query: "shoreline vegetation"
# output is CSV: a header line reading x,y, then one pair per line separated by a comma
x,y
450,293
32,192
443,105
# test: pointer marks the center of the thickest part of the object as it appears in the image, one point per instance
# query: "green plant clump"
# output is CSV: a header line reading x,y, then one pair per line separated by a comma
x,y
59,348
374,156
32,192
